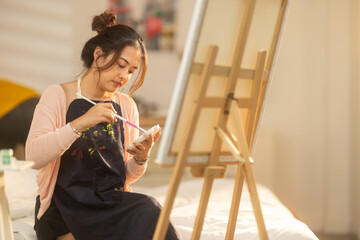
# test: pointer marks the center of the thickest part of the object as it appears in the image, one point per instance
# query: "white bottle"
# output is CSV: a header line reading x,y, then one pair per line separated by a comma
x,y
6,156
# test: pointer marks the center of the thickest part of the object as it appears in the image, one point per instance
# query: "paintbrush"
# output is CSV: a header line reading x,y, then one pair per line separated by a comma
x,y
116,115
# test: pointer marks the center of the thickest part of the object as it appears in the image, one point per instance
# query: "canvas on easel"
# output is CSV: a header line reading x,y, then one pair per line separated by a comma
x,y
218,99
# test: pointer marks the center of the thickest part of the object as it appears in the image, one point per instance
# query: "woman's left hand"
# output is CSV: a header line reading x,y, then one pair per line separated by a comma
x,y
141,151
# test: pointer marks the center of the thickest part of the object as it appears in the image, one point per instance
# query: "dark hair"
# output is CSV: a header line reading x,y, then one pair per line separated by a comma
x,y
113,38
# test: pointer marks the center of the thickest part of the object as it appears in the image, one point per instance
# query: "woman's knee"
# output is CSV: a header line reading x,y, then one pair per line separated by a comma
x,y
67,236
154,201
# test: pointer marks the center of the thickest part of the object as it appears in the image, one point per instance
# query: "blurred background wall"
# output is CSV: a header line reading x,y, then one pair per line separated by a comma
x,y
308,146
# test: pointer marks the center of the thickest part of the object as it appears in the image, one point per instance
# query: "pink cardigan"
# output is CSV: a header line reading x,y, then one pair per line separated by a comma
x,y
49,137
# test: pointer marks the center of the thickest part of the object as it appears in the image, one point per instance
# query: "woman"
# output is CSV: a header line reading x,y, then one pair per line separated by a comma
x,y
82,149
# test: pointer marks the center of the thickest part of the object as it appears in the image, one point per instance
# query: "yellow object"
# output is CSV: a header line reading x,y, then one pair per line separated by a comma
x,y
11,95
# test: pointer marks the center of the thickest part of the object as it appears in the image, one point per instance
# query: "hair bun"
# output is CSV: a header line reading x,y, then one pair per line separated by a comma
x,y
104,20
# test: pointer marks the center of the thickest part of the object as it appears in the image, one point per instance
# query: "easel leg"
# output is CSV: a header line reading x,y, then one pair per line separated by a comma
x,y
250,180
5,224
249,175
163,222
205,195
235,203
164,218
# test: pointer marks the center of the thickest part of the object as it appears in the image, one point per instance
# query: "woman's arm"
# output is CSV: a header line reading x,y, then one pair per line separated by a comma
x,y
129,110
49,137
135,169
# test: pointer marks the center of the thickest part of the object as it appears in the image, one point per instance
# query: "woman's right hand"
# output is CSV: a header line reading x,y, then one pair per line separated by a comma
x,y
101,112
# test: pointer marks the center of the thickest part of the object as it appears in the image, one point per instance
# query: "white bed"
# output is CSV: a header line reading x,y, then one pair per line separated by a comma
x,y
280,223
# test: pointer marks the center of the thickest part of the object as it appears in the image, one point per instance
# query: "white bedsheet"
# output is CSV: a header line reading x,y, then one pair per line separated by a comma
x,y
280,223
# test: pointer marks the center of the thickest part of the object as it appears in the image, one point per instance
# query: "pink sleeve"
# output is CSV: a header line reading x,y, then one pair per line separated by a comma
x,y
129,110
49,137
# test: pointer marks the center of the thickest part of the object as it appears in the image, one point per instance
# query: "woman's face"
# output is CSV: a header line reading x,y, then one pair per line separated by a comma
x,y
121,71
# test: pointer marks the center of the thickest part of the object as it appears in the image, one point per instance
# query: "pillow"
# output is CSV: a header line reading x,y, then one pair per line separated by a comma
x,y
21,189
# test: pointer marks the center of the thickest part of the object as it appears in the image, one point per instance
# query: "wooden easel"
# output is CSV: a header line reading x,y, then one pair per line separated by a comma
x,y
244,133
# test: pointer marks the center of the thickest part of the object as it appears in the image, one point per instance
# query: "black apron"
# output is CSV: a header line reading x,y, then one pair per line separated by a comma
x,y
88,191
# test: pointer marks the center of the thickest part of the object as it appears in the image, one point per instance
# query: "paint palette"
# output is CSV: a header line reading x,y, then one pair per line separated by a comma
x,y
145,135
